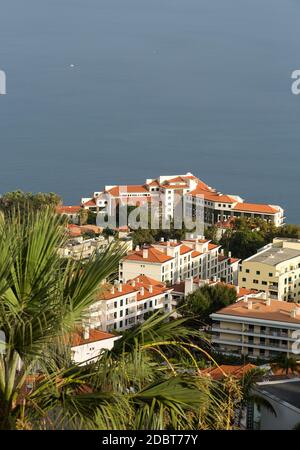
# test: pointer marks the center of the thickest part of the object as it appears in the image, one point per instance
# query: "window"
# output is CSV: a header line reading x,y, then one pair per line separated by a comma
x,y
244,279
255,281
258,272
121,302
115,304
270,274
121,323
121,313
264,283
247,271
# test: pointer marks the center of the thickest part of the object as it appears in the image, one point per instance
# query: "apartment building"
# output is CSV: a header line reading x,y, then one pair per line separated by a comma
x,y
274,269
170,261
197,196
123,305
256,327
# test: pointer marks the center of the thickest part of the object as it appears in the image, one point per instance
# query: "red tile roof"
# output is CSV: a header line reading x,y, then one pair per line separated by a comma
x,y
154,256
253,207
129,189
91,202
217,373
185,249
62,209
212,196
212,246
276,311
77,337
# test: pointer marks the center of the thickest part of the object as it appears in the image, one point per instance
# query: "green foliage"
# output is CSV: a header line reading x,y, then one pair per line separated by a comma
x,y
24,201
249,235
207,300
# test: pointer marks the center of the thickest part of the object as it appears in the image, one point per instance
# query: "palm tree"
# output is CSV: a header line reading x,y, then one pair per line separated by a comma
x,y
249,396
286,363
41,297
140,383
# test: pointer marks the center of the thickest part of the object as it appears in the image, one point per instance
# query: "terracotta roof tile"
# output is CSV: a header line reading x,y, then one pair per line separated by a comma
x,y
154,256
253,207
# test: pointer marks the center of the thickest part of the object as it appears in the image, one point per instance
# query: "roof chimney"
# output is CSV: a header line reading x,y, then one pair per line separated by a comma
x,y
142,291
162,239
150,288
237,288
178,281
133,283
249,305
229,254
112,291
145,253
137,248
293,313
120,287
268,302
86,332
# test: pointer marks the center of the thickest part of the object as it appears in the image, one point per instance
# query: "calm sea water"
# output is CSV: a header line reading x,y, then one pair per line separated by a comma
x,y
158,86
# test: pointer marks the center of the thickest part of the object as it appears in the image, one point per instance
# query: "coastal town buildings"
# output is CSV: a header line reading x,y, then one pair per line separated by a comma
x,y
172,260
274,269
195,196
123,305
257,327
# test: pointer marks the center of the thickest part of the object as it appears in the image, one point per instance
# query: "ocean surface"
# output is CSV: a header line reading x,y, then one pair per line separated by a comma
x,y
115,91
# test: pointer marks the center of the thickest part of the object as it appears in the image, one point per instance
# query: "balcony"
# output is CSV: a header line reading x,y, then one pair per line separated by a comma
x,y
265,333
240,343
273,287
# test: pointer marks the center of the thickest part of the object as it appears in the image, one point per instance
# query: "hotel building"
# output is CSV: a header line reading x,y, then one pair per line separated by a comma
x,y
256,327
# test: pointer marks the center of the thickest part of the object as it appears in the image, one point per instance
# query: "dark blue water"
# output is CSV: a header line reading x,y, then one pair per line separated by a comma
x,y
159,86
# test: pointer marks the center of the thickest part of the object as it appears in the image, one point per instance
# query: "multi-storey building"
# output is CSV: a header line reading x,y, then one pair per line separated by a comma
x,y
256,328
274,269
124,305
197,196
170,261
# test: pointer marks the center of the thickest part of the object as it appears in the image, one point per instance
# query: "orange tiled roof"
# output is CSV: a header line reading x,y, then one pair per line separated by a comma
x,y
212,246
154,256
276,311
233,260
185,249
106,294
217,373
212,196
68,209
77,337
91,202
253,207
195,253
129,189
145,280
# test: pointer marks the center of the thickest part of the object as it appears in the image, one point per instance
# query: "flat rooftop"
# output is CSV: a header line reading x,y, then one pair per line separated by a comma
x,y
274,255
287,391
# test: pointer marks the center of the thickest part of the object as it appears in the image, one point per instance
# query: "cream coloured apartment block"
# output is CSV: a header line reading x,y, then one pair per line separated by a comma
x,y
170,261
258,328
123,305
274,269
